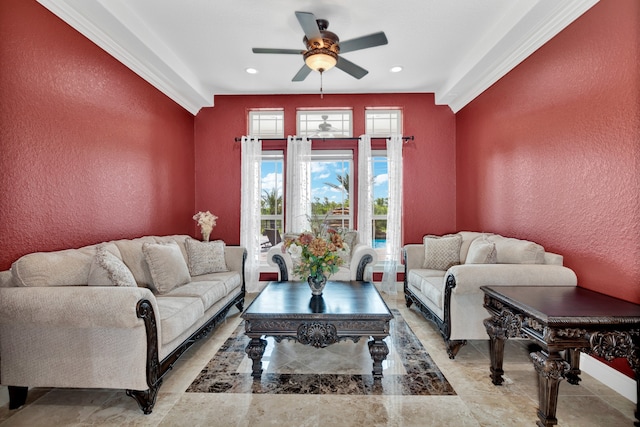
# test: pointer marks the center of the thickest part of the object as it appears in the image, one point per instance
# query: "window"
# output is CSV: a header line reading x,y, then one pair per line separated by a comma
x,y
331,186
266,123
325,123
379,168
383,122
272,201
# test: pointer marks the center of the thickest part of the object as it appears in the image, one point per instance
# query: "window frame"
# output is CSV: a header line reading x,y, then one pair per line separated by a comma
x,y
254,114
320,112
370,128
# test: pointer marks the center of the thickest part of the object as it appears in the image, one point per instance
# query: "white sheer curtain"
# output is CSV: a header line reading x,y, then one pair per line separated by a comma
x,y
250,209
298,186
365,190
394,214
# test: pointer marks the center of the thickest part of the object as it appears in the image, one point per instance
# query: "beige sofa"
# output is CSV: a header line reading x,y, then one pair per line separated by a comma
x,y
355,266
444,274
115,315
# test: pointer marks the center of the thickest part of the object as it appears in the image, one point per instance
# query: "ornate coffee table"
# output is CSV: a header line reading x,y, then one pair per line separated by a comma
x,y
345,311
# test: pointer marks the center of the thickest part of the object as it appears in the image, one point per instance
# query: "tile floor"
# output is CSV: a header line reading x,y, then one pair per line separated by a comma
x,y
477,401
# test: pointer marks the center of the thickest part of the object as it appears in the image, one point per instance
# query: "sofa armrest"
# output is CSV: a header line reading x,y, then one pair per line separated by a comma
x,y
282,260
234,257
361,256
74,306
77,336
413,255
469,277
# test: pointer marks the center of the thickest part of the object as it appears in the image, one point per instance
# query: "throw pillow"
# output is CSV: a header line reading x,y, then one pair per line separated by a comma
x,y
109,270
482,251
167,266
441,252
350,237
205,257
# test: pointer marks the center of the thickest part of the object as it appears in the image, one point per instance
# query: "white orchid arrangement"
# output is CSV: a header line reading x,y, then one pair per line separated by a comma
x,y
206,221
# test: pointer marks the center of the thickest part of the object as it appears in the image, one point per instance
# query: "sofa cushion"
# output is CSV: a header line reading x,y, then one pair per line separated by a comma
x,y
515,251
205,257
481,251
133,257
441,252
430,283
69,267
177,314
109,270
350,237
467,238
231,279
167,266
209,292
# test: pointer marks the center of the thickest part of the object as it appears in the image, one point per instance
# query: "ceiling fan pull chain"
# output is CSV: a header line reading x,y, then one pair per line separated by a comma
x,y
321,94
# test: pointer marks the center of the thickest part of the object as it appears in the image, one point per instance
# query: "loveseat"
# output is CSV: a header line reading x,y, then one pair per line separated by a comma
x,y
359,257
444,274
113,315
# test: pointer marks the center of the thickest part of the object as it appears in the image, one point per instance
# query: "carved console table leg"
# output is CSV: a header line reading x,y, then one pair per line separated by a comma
x,y
551,369
255,351
497,337
572,356
379,351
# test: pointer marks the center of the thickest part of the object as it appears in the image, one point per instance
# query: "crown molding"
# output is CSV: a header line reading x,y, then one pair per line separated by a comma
x,y
126,38
545,19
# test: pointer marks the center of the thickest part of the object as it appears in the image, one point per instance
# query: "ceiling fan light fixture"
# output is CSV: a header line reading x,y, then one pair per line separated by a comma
x,y
320,59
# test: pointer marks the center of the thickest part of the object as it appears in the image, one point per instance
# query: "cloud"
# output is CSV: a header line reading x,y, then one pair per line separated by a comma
x,y
381,179
271,181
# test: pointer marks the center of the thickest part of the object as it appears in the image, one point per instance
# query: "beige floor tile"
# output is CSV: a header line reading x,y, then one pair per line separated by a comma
x,y
477,402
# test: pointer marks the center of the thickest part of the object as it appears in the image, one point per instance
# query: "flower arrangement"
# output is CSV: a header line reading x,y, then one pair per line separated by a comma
x,y
206,221
316,253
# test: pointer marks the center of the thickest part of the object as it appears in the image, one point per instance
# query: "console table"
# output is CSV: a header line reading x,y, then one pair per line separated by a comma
x,y
561,318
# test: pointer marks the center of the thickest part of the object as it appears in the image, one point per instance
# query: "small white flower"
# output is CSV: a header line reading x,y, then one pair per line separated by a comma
x,y
295,250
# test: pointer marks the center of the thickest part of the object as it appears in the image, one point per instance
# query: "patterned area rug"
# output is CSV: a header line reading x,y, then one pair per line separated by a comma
x,y
342,368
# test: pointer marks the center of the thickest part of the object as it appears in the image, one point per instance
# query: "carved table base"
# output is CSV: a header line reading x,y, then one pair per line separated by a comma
x,y
320,335
345,311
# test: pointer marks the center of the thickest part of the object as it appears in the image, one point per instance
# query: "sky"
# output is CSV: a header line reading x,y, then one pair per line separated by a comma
x,y
322,173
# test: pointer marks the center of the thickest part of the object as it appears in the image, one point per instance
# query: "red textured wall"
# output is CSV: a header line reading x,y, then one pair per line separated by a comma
x,y
551,152
90,151
429,177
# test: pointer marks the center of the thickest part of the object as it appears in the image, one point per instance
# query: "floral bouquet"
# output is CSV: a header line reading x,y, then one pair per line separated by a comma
x,y
206,221
317,253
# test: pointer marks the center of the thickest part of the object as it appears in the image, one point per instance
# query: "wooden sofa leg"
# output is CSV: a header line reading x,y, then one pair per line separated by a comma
x,y
146,399
17,396
453,346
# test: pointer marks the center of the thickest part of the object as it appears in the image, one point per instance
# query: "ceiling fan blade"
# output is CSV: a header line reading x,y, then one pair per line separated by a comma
x,y
302,74
270,50
350,68
309,25
364,42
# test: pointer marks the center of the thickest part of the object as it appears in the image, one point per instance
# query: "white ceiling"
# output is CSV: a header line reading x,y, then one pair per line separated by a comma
x,y
193,50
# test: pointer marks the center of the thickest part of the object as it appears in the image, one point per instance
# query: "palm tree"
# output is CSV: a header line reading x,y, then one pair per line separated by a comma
x,y
271,202
343,183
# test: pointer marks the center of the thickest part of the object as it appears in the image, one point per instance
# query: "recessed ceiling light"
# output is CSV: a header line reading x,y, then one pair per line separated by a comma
x,y
396,69
251,71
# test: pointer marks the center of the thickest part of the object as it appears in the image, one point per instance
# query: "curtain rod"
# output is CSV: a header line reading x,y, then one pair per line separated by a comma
x,y
404,138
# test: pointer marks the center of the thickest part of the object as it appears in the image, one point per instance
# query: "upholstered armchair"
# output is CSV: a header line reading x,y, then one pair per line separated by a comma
x,y
355,267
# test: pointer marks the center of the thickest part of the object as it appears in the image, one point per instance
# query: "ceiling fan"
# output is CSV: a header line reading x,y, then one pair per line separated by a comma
x,y
324,47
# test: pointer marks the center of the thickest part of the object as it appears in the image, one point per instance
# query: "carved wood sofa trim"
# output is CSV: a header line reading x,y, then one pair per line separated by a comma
x,y
444,326
284,276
